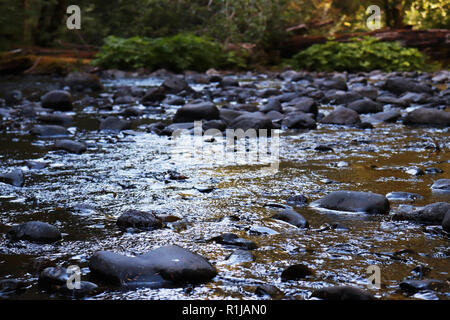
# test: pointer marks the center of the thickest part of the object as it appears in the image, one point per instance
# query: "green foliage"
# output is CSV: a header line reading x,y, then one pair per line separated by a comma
x,y
177,53
359,55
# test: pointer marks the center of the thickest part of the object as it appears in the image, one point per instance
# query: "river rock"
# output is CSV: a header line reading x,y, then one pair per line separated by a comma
x,y
254,120
70,146
413,286
56,279
239,256
299,120
400,85
428,117
15,178
441,185
163,267
304,104
114,124
272,105
337,83
342,293
153,95
269,290
387,116
352,201
83,80
342,116
403,196
175,84
292,217
35,231
54,118
140,220
446,222
365,106
194,112
296,272
45,131
57,100
433,213
8,286
13,97
297,200
230,239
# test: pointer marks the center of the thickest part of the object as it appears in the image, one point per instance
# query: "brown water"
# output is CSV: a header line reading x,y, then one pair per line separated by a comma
x,y
129,171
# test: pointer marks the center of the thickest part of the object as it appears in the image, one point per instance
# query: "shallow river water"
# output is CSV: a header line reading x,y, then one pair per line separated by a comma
x,y
84,194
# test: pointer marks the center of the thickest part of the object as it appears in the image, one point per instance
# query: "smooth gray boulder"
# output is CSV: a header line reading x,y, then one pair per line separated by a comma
x,y
35,231
353,201
168,266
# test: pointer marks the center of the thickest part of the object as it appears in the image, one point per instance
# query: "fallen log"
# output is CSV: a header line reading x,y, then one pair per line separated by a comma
x,y
434,42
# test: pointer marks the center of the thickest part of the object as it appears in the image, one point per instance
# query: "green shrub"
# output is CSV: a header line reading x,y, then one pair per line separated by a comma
x,y
359,55
177,53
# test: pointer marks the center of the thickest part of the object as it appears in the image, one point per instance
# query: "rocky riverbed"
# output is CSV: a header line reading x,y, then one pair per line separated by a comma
x,y
92,176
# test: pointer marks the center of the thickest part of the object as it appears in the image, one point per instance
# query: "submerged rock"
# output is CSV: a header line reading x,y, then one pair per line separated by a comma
x,y
70,146
231,239
433,213
46,131
163,267
296,272
9,286
140,220
114,124
297,200
413,286
56,280
342,293
14,178
352,201
57,100
446,222
269,290
292,217
441,185
35,231
403,196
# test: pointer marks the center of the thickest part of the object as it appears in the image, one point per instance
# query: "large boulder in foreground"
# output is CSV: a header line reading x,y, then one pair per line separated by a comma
x,y
168,266
194,112
57,100
428,117
35,231
353,201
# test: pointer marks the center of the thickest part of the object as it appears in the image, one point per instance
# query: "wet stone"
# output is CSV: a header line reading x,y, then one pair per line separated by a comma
x,y
70,146
195,112
139,220
167,266
413,286
46,131
292,217
296,272
14,177
9,286
341,293
403,196
230,239
353,201
441,185
432,214
269,290
35,231
342,116
57,100
114,124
